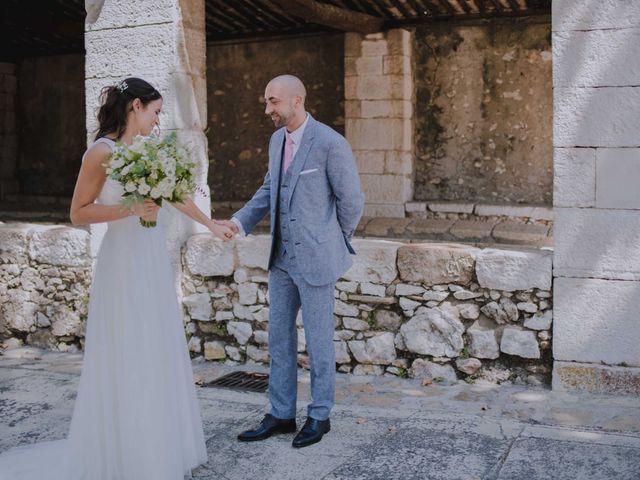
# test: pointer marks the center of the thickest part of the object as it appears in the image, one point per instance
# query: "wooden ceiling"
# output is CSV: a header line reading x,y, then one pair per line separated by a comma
x,y
49,27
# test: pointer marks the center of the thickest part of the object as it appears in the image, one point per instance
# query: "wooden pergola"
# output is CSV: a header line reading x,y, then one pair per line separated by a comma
x,y
33,27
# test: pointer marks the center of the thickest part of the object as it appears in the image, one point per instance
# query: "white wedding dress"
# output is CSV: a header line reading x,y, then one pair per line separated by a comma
x,y
136,415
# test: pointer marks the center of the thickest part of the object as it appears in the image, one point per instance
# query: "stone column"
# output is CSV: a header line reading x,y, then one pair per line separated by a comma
x,y
8,131
379,117
163,42
596,78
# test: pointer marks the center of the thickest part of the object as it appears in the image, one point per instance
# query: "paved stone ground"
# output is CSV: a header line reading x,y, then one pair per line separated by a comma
x,y
382,427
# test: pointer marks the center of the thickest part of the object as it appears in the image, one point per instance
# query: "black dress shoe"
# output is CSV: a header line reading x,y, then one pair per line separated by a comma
x,y
312,432
268,427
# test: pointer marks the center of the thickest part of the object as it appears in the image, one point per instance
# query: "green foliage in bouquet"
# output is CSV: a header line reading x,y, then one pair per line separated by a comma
x,y
152,167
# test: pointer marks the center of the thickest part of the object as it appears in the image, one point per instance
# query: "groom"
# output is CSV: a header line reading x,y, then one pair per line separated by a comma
x,y
312,192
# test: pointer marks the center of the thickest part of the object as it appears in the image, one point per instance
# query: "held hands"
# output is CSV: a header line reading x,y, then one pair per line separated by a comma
x,y
222,230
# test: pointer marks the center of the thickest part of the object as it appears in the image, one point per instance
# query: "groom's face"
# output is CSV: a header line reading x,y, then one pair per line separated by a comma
x,y
279,105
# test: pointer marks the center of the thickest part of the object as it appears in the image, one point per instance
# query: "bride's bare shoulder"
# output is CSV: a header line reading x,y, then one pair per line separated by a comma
x,y
96,155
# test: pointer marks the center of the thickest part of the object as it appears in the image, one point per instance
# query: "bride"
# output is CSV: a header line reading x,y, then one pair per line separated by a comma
x,y
136,415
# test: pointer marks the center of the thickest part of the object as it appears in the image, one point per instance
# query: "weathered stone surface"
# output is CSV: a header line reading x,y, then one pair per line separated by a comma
x,y
342,352
60,246
257,354
387,320
426,370
349,287
518,342
18,312
407,289
14,242
261,337
253,251
595,378
199,306
240,330
468,365
434,331
345,309
354,324
372,289
208,256
375,261
195,344
596,321
214,350
379,350
435,296
66,322
514,270
540,321
407,304
483,343
433,264
574,179
469,311
503,312
248,293
527,307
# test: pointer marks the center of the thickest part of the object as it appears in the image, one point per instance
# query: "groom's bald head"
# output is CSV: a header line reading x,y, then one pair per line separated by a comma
x,y
284,98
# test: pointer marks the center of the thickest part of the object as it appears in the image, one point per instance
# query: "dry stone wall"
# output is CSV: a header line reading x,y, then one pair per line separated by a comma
x,y
439,312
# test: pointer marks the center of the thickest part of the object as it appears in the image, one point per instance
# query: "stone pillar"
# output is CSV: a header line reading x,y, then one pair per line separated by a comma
x,y
163,42
596,138
8,131
379,117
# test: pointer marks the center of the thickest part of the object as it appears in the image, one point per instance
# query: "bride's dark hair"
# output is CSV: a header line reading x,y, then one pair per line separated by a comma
x,y
115,104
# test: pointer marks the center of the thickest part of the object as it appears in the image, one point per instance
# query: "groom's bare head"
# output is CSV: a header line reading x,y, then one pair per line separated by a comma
x,y
284,101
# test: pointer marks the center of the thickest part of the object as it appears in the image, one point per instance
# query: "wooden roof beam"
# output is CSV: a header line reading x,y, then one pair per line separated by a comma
x,y
331,16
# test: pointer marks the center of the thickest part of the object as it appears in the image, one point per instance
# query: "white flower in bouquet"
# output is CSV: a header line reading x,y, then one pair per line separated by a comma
x,y
152,167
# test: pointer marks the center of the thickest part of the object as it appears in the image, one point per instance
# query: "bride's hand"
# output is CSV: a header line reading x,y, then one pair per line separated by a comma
x,y
221,231
147,210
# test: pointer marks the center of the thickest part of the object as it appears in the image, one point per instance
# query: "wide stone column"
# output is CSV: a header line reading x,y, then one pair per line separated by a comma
x,y
163,42
596,74
379,117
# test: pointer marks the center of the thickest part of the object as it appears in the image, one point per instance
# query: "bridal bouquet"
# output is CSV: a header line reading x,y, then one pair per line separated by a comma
x,y
152,167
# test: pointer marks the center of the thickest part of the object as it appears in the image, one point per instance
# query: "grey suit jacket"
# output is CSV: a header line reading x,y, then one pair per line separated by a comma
x,y
326,202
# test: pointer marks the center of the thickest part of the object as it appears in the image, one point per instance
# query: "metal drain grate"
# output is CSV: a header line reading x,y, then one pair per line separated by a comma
x,y
242,381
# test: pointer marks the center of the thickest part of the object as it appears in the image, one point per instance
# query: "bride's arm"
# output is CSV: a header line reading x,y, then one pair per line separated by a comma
x,y
191,210
88,186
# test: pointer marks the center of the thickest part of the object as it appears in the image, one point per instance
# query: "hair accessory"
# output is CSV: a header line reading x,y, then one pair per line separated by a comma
x,y
122,86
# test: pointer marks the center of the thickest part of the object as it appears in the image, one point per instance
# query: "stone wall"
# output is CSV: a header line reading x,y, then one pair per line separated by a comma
x,y
45,272
238,130
52,129
483,112
597,206
8,130
436,311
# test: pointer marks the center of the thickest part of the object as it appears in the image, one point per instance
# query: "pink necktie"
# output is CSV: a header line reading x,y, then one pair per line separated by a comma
x,y
288,153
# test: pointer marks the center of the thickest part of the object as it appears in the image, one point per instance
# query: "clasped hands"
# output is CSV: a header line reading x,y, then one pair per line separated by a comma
x,y
224,229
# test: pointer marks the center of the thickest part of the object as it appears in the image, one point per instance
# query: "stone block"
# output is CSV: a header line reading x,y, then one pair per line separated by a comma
x,y
253,251
520,233
214,350
577,58
596,117
377,350
595,379
375,261
199,306
440,374
514,269
584,246
208,256
373,48
606,14
399,41
352,108
483,343
574,177
14,242
386,109
384,227
369,65
415,207
122,13
379,134
382,210
430,227
540,321
241,331
387,188
536,212
17,311
434,331
370,161
352,44
472,229
618,177
451,207
522,343
596,321
396,64
434,264
398,163
62,246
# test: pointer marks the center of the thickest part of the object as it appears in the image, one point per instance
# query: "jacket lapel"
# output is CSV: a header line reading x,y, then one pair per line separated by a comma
x,y
302,153
275,155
